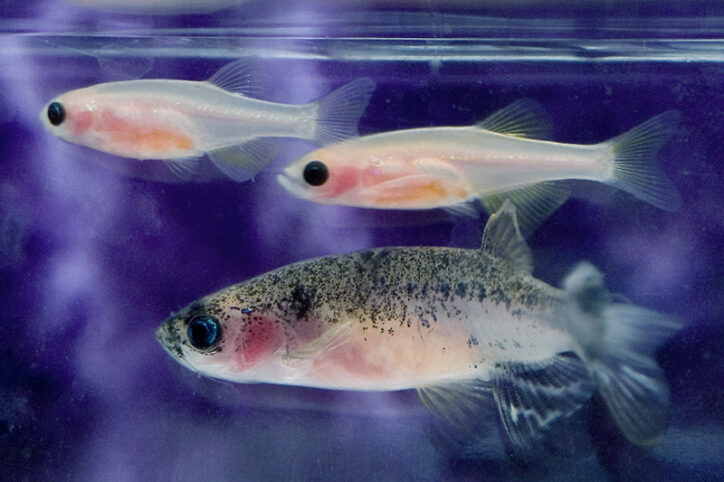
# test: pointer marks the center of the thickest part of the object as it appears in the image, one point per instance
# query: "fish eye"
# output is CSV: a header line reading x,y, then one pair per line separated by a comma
x,y
56,113
316,173
203,332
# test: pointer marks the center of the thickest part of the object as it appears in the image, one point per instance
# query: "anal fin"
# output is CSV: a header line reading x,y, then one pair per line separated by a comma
x,y
532,397
243,161
533,203
183,168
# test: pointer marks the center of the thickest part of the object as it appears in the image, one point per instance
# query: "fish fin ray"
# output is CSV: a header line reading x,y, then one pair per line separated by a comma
x,y
532,397
502,238
618,342
534,203
244,76
332,338
184,168
339,112
458,403
523,118
241,162
634,166
465,208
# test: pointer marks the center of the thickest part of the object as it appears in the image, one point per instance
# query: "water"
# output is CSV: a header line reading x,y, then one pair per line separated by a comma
x,y
95,251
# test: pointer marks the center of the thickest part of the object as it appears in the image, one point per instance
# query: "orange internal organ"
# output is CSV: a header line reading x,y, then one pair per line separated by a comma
x,y
154,140
132,137
418,190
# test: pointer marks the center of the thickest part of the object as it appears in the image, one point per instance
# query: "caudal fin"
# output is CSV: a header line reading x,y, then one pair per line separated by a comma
x,y
634,164
618,343
339,111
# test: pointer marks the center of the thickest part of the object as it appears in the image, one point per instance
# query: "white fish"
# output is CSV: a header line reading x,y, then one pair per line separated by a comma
x,y
466,328
501,157
179,121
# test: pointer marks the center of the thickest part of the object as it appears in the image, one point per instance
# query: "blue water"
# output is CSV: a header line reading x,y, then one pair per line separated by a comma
x,y
95,251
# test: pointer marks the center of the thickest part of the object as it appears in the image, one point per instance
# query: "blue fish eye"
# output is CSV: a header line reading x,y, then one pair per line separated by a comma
x,y
203,332
315,173
56,113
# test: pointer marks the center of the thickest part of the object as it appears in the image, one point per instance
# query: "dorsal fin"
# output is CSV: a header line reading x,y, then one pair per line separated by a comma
x,y
502,239
244,76
522,118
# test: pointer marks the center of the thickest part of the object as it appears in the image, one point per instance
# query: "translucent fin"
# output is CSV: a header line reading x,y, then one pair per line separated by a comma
x,y
335,336
618,343
522,118
241,162
634,165
244,76
339,112
183,168
502,239
460,404
465,208
531,397
533,203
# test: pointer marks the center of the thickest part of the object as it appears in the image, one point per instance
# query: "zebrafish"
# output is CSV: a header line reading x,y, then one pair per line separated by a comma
x,y
179,121
461,326
502,157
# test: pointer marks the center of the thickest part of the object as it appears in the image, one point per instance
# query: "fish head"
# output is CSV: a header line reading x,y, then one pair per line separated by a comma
x,y
219,337
70,116
329,175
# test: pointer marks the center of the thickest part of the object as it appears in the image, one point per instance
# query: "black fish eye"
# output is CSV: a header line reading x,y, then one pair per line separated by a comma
x,y
316,173
203,332
56,113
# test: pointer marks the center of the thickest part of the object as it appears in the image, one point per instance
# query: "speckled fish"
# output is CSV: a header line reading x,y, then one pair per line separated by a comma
x,y
501,157
179,121
460,326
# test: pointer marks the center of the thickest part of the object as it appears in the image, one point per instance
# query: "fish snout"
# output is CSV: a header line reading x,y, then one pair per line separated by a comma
x,y
169,338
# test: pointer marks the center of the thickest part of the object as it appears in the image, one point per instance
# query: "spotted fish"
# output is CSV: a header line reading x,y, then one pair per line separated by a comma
x,y
463,327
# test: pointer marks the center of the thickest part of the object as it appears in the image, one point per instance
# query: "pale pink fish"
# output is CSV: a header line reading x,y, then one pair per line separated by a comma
x,y
179,120
466,328
502,157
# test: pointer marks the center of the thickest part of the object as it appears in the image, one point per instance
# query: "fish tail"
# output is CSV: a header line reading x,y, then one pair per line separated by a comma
x,y
617,343
339,111
634,166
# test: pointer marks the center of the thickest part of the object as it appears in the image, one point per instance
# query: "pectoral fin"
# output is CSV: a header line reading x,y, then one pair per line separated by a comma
x,y
332,338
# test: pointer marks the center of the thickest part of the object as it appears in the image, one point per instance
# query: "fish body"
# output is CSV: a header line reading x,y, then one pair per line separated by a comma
x,y
448,322
502,157
180,120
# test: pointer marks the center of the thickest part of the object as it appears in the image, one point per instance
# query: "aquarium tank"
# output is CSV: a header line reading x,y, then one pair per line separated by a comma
x,y
102,238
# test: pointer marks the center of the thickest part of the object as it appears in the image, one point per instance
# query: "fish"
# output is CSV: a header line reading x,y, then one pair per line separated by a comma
x,y
179,121
463,327
503,157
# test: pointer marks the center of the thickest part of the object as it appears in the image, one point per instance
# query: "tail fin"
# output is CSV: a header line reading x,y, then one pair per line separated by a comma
x,y
634,166
618,343
339,111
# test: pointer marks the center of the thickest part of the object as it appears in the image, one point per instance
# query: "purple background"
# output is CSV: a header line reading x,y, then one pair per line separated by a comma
x,y
96,251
